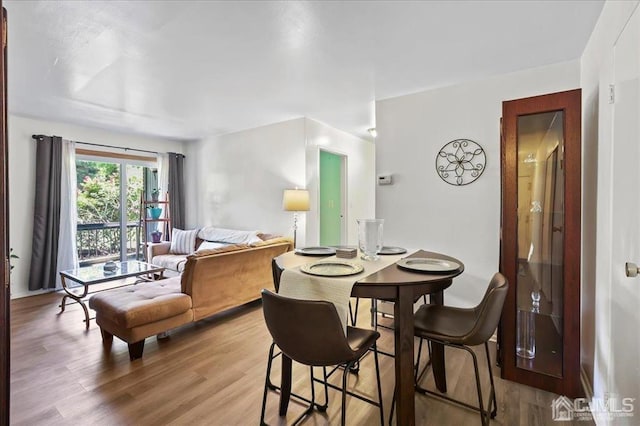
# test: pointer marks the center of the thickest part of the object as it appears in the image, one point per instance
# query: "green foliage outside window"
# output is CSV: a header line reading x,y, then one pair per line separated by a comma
x,y
99,192
98,202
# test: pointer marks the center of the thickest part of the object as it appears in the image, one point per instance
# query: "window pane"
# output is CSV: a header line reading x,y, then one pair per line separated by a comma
x,y
135,183
98,185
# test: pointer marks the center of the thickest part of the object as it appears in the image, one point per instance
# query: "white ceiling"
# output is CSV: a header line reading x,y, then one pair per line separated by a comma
x,y
191,69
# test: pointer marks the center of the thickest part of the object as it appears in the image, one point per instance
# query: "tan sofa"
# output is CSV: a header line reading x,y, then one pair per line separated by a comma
x,y
212,281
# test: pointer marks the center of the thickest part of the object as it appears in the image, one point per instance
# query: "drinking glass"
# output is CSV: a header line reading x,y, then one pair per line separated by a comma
x,y
370,237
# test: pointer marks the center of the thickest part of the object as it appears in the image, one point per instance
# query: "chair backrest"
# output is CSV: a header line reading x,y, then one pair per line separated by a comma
x,y
307,331
276,271
489,310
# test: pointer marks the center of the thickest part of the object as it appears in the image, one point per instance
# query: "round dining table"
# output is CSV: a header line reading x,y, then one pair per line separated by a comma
x,y
402,287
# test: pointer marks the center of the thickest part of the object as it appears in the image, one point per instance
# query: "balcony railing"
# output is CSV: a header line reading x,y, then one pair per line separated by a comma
x,y
100,242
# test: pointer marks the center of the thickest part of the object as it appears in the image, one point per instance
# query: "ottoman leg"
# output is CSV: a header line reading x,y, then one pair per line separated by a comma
x,y
107,338
135,350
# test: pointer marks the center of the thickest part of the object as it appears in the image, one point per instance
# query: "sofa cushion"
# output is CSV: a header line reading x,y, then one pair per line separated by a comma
x,y
174,262
233,236
141,304
183,242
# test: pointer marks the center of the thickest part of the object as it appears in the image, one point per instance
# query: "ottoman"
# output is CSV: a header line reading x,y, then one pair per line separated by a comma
x,y
136,312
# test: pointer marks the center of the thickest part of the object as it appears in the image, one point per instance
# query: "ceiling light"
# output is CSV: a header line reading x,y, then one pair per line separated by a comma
x,y
372,131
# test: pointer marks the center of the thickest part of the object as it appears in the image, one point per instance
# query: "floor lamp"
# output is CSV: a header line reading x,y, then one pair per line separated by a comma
x,y
295,200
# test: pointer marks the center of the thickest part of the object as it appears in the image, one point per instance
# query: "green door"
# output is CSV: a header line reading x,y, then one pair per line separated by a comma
x,y
330,198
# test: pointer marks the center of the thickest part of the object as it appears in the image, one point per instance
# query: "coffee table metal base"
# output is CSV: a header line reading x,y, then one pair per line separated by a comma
x,y
146,272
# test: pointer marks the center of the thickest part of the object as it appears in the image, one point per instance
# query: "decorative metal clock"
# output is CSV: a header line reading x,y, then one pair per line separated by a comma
x,y
460,162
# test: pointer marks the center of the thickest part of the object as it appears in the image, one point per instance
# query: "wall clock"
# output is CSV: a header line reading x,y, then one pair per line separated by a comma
x,y
460,162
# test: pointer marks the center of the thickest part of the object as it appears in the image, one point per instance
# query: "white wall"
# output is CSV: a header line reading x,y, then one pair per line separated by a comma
x,y
596,75
360,176
421,210
240,177
22,154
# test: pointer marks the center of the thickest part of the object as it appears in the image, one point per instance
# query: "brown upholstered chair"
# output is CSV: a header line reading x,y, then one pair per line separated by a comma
x,y
462,328
311,333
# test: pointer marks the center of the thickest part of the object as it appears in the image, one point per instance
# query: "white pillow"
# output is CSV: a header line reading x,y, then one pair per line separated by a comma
x,y
231,236
183,242
208,245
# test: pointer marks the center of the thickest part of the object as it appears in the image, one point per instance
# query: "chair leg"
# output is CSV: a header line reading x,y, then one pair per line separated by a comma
x,y
344,395
312,401
494,411
313,391
483,417
375,357
267,382
393,406
270,386
323,408
417,366
353,313
417,373
374,314
271,357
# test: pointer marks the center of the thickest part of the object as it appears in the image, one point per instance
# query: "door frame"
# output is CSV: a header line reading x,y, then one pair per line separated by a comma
x,y
5,268
617,324
343,191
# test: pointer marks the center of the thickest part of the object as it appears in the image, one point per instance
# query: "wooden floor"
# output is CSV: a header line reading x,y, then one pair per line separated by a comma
x,y
209,373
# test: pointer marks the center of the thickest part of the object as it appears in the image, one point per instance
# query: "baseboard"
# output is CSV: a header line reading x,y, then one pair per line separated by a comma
x,y
21,295
586,385
587,389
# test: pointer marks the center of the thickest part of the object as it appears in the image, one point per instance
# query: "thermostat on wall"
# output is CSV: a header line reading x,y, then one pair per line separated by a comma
x,y
385,180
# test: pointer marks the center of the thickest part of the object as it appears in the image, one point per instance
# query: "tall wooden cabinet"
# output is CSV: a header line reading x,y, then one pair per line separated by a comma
x,y
540,241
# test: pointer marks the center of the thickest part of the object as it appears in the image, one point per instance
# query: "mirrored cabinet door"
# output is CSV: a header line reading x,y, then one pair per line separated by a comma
x,y
540,328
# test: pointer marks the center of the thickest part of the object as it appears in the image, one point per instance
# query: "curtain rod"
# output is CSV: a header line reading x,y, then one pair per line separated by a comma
x,y
104,146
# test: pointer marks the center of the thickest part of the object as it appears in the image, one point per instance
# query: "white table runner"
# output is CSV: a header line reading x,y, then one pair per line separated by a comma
x,y
298,285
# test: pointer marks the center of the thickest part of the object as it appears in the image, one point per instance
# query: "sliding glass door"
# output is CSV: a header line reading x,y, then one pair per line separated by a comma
x,y
108,207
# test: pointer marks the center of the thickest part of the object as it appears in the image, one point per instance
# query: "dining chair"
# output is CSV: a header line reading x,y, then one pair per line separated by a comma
x,y
462,328
310,332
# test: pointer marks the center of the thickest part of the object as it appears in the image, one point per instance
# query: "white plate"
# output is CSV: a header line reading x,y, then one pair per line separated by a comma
x,y
332,268
428,264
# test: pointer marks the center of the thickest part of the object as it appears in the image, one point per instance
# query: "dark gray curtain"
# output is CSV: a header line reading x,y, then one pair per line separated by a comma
x,y
46,214
176,190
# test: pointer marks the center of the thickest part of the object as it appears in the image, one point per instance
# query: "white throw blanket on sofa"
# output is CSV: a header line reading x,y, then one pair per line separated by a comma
x,y
230,236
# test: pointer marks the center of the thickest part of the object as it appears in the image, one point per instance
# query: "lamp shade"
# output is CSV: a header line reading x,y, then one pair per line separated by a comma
x,y
295,200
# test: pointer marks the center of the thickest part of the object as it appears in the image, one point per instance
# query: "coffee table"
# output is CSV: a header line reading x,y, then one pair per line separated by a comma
x,y
76,282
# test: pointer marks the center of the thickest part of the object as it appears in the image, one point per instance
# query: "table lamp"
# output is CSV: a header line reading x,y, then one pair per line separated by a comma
x,y
295,200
